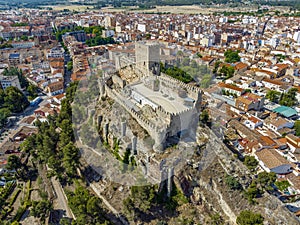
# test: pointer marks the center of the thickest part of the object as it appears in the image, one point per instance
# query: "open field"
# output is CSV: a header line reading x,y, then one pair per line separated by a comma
x,y
185,9
188,9
69,7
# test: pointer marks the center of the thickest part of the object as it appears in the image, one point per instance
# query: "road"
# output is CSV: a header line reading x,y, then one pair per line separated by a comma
x,y
60,203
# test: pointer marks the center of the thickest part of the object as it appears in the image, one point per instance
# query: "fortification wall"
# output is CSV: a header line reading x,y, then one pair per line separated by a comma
x,y
163,114
183,121
170,80
158,133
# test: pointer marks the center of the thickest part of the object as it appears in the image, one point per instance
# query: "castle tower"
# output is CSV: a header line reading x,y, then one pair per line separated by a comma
x,y
147,55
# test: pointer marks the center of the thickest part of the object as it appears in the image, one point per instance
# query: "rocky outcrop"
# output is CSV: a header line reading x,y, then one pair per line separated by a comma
x,y
210,189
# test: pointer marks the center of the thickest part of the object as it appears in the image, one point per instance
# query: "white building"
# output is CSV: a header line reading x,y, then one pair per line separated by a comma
x,y
296,37
57,52
142,27
24,44
8,81
223,20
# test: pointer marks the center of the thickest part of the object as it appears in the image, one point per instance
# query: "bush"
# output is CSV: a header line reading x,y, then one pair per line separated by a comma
x,y
14,197
249,218
250,162
21,210
233,183
282,185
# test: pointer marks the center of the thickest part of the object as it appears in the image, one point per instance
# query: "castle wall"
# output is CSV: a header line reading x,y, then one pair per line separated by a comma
x,y
178,122
171,82
182,121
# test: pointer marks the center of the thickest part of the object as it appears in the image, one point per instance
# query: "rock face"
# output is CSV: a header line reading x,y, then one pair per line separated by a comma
x,y
209,187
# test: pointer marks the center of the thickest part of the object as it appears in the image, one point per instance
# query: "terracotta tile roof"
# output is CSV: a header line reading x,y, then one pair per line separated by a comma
x,y
60,96
254,119
271,158
240,66
267,141
281,141
276,82
28,120
56,64
243,100
56,86
281,66
294,180
229,86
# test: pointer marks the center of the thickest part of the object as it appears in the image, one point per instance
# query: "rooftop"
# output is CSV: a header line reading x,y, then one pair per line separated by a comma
x,y
168,100
271,158
14,55
285,111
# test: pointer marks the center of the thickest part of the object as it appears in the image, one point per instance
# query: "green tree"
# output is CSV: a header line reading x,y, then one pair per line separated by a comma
x,y
14,163
93,207
233,183
250,162
252,192
143,197
232,56
2,95
4,113
266,180
289,98
204,117
32,90
216,219
216,66
177,73
70,65
71,90
128,206
186,61
65,221
86,207
227,71
206,81
282,185
199,54
194,64
15,223
273,95
70,159
249,218
297,127
179,53
24,38
28,145
15,100
41,209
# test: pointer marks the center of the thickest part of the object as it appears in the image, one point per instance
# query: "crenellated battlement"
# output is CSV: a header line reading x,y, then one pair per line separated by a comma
x,y
162,105
144,122
175,83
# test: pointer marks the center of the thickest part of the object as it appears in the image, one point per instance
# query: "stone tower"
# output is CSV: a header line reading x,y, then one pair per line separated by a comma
x,y
147,55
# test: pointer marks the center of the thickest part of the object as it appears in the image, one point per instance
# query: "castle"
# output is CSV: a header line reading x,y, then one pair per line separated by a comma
x,y
163,106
